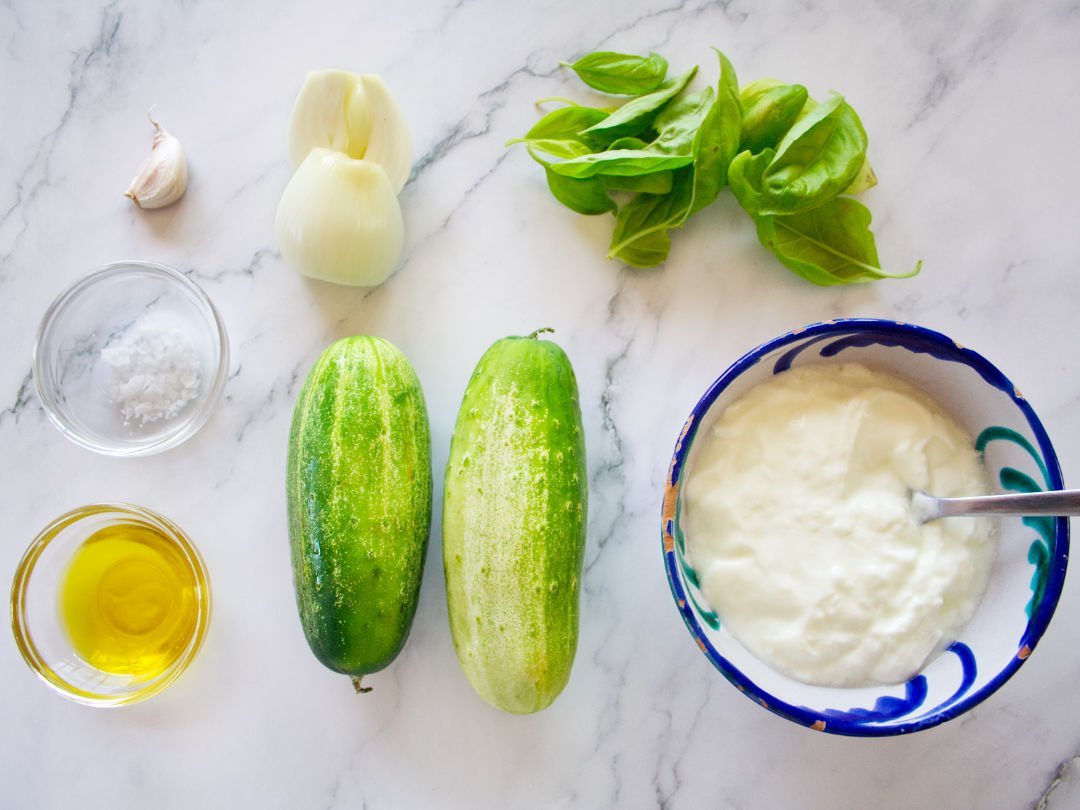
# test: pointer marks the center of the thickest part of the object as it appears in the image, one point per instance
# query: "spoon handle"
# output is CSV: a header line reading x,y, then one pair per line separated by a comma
x,y
1057,502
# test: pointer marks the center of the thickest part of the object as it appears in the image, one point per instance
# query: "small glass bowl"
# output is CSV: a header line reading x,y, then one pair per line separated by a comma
x,y
36,611
110,310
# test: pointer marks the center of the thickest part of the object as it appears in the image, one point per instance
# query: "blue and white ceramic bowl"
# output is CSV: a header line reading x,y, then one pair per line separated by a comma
x,y
1032,552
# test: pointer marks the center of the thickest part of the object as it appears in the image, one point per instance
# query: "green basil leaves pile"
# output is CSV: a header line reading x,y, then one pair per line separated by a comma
x,y
793,164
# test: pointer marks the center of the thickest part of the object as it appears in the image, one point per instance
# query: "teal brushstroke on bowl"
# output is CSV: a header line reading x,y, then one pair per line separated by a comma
x,y
1013,480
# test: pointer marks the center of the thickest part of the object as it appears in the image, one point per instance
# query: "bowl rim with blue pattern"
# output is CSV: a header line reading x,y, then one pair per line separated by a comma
x,y
863,332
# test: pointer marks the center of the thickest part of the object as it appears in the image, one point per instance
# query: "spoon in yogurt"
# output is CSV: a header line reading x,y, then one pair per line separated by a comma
x,y
1057,503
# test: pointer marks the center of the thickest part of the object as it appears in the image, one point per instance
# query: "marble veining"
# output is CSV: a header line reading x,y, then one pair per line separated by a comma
x,y
967,109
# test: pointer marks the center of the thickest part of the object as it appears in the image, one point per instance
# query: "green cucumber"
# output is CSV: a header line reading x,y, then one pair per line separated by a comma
x,y
358,483
514,524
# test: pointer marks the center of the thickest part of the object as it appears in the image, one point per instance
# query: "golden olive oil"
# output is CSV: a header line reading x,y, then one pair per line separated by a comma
x,y
129,600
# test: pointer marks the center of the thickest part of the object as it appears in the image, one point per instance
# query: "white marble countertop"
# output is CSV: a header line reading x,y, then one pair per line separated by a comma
x,y
971,116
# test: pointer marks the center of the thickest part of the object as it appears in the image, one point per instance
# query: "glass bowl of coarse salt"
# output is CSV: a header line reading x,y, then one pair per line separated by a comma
x,y
131,359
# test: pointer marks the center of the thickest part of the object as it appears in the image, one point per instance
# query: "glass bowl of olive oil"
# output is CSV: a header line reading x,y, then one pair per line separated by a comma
x,y
110,603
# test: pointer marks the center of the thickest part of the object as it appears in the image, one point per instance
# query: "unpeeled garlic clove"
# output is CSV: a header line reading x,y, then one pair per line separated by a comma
x,y
355,115
163,175
339,220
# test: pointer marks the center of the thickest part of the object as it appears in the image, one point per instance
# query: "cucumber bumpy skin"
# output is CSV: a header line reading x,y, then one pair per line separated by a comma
x,y
359,490
514,516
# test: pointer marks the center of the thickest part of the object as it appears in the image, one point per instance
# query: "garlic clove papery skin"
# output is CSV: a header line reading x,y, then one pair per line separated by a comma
x,y
352,114
162,176
389,144
339,220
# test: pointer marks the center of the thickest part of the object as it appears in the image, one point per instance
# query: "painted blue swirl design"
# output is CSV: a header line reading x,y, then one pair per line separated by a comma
x,y
914,339
886,707
969,670
890,707
784,361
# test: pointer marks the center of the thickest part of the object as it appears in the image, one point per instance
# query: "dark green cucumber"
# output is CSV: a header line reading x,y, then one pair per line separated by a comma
x,y
358,482
514,524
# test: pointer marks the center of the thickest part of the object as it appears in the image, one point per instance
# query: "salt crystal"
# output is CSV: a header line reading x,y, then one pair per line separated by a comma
x,y
155,372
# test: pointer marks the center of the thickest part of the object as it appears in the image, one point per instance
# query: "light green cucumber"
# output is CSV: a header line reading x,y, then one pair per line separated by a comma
x,y
358,483
514,524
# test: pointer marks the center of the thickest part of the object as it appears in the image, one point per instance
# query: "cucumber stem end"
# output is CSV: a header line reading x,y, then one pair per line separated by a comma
x,y
360,690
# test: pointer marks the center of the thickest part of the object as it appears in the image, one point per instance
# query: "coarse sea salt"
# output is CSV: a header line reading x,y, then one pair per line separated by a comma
x,y
155,372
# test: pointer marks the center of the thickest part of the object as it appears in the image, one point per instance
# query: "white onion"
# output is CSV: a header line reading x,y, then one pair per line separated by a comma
x,y
339,220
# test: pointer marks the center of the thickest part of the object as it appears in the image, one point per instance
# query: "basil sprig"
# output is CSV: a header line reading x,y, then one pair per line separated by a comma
x,y
621,74
707,125
656,160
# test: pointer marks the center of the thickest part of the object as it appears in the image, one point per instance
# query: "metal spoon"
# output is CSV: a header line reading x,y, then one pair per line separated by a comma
x,y
1058,502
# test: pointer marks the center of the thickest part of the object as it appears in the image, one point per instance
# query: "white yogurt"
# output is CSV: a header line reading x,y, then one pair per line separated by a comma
x,y
798,521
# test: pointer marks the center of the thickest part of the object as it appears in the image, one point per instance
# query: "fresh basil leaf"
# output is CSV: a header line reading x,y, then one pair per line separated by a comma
x,y
626,162
587,196
557,134
812,116
817,159
566,124
561,150
628,143
828,245
637,115
649,250
810,105
678,123
744,177
750,94
641,237
621,74
717,139
769,111
655,183
863,180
